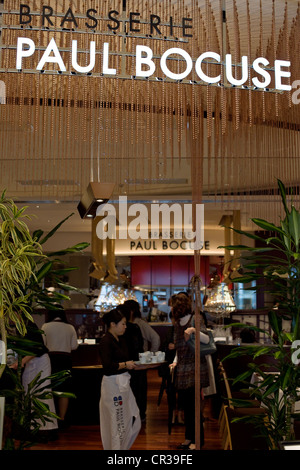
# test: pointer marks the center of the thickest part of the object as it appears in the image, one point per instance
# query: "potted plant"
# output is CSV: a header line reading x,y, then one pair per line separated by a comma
x,y
274,263
18,255
26,410
23,269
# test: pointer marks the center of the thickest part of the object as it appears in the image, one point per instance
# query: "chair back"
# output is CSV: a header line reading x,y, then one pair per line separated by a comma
x,y
225,381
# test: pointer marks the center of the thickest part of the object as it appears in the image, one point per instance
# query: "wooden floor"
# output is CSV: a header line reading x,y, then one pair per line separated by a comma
x,y
153,435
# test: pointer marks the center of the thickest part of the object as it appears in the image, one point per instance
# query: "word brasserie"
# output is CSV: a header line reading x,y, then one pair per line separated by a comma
x,y
113,21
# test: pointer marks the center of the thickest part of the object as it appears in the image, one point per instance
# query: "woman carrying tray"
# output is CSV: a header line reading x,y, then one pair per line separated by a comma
x,y
119,414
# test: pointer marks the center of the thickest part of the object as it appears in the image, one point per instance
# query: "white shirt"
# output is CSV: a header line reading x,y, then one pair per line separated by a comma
x,y
203,337
59,336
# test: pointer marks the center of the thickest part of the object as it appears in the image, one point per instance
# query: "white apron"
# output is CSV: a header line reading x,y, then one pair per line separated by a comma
x,y
31,370
120,420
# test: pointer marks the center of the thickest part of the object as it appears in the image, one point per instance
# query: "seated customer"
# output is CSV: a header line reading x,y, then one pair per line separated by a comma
x,y
247,336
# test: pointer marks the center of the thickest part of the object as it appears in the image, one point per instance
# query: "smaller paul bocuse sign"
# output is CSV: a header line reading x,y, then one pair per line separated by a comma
x,y
175,245
145,67
162,246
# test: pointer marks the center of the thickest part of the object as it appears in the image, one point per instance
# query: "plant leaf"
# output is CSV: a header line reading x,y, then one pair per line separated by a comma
x,y
52,232
43,271
73,249
268,226
282,191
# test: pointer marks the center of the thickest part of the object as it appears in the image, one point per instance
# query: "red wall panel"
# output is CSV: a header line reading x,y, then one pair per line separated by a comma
x,y
161,270
141,270
180,275
166,270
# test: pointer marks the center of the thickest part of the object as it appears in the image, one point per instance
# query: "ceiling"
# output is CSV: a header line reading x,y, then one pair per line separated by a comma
x,y
156,140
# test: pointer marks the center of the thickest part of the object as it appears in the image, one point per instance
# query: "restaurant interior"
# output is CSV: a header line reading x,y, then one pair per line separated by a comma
x,y
74,140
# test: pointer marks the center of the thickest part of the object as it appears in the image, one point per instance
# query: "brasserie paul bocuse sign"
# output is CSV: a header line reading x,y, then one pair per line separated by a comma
x,y
145,63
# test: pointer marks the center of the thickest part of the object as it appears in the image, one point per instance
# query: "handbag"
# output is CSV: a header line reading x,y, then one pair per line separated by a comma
x,y
209,348
205,349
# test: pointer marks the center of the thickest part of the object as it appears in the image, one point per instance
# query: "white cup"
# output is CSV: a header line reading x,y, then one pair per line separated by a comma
x,y
143,357
160,356
154,359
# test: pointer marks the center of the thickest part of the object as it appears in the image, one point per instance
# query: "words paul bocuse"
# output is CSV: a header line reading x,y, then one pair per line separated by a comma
x,y
145,63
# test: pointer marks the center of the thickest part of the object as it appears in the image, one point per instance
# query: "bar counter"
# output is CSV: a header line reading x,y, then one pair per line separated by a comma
x,y
87,376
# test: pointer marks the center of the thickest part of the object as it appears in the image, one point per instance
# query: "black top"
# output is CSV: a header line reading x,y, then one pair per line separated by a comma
x,y
112,352
134,340
38,348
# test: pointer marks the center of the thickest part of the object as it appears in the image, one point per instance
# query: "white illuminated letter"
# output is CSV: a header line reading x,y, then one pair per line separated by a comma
x,y
105,69
144,60
280,73
199,70
229,75
52,47
185,55
261,71
24,52
91,65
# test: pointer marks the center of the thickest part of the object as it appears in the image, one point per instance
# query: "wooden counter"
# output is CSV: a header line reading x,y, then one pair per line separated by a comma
x,y
86,355
84,410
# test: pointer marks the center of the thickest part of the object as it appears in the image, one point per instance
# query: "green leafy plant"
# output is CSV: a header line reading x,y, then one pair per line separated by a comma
x,y
24,267
27,409
18,257
52,267
274,263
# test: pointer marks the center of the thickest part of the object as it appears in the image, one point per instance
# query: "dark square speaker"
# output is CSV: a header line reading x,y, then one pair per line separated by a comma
x,y
95,194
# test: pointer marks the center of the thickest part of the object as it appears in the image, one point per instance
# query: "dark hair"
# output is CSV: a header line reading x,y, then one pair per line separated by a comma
x,y
115,316
125,310
247,336
171,300
184,293
52,314
182,306
134,307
